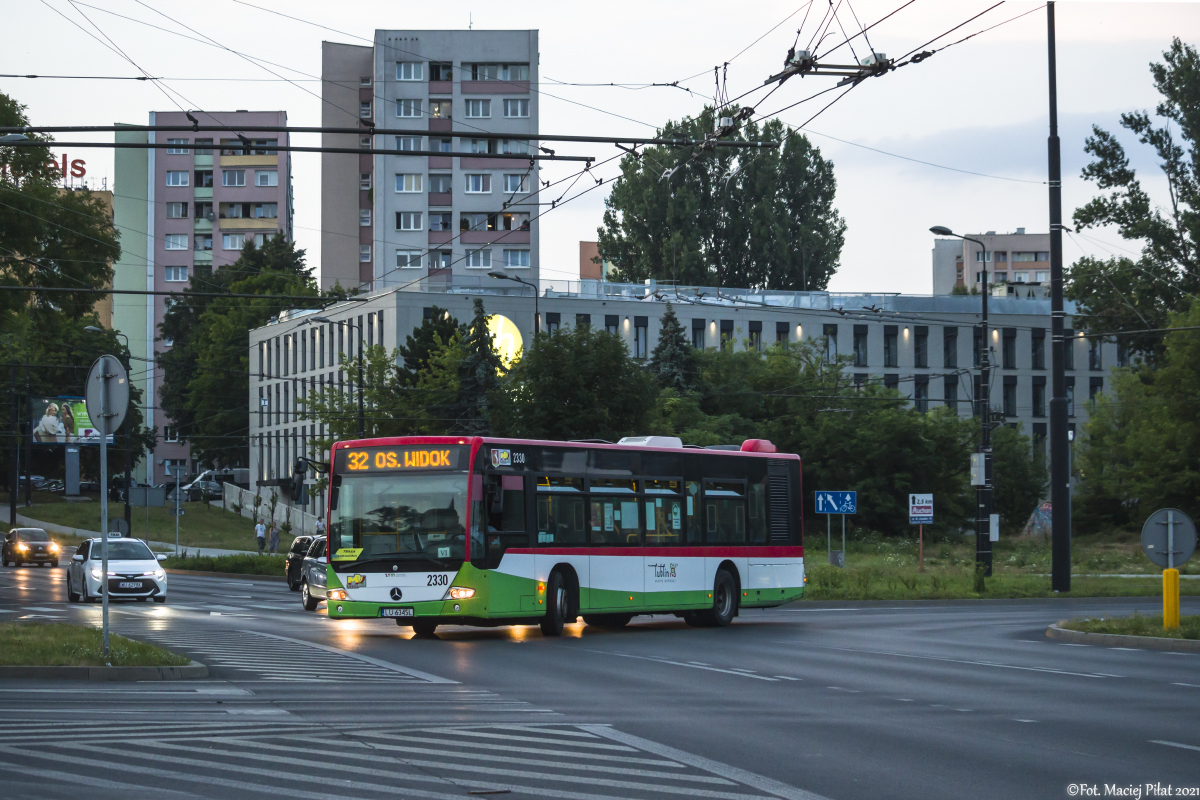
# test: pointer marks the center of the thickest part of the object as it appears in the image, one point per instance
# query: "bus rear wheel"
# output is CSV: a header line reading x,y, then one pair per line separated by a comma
x,y
725,602
558,606
422,627
607,620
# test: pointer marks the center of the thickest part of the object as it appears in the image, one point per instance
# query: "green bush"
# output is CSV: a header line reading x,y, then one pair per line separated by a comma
x,y
244,564
1137,625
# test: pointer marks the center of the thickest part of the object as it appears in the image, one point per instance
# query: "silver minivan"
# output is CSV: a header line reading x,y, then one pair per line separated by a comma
x,y
312,575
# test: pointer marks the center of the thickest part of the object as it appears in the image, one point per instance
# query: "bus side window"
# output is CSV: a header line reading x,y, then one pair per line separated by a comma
x,y
757,513
692,501
725,511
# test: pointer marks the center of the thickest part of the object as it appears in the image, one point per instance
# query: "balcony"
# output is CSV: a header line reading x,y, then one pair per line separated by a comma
x,y
204,161
249,161
497,237
441,87
467,162
203,225
249,224
202,257
441,162
441,237
494,87
203,193
441,124
441,198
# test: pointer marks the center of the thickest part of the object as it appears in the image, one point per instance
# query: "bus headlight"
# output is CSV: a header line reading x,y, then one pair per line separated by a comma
x,y
460,593
337,594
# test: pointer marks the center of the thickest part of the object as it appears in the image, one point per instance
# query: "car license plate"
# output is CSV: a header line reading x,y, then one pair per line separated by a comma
x,y
396,612
129,585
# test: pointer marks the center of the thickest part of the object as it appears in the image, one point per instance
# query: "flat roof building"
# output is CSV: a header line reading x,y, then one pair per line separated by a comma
x,y
1017,264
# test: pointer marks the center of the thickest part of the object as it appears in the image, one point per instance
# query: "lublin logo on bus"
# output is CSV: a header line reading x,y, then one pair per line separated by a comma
x,y
501,458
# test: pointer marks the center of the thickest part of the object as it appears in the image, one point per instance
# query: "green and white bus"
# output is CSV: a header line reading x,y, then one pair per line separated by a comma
x,y
483,531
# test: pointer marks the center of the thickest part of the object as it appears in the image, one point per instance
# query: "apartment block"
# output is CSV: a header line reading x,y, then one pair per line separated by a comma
x,y
184,211
1017,264
459,209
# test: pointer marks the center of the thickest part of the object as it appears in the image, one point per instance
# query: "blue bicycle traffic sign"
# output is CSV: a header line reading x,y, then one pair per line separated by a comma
x,y
837,502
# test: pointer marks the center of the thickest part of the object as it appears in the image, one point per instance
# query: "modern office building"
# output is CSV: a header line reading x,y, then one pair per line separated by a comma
x,y
927,347
184,211
440,220
1017,264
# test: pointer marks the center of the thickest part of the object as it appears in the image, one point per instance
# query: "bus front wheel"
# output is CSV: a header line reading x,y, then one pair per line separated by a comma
x,y
558,605
725,602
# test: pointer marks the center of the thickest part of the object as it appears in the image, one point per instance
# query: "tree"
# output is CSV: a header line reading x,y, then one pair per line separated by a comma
x,y
478,376
574,384
1141,446
206,372
1021,477
760,218
432,334
672,362
1123,294
54,238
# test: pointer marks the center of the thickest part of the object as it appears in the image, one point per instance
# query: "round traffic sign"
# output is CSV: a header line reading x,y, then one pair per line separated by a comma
x,y
107,393
1169,537
118,525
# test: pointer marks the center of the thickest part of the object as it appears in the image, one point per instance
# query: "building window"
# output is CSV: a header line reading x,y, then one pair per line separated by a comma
x,y
921,393
410,70
177,210
441,183
756,336
950,392
698,333
204,178
921,347
1070,396
204,147
479,259
553,321
515,146
170,434
1094,357
611,321
408,142
479,108
1122,354
1095,387
891,382
179,147
1000,277
406,259
441,221
234,177
259,240
441,71
177,178
977,341
479,183
439,109
408,221
176,241
364,217
364,142
266,177
516,258
408,108
364,253
983,258
410,182
514,72
1042,277
860,345
482,145
514,221
1001,256
176,274
233,241
726,334
364,110
1068,349
203,242
516,183
831,332
364,180
516,108
891,346
781,333
484,72
1020,277
1025,256
477,221
1008,353
1039,396
1010,395
640,328
365,81
1037,353
264,210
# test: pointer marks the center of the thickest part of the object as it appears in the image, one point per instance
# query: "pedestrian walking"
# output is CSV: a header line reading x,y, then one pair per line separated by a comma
x,y
320,526
260,533
273,544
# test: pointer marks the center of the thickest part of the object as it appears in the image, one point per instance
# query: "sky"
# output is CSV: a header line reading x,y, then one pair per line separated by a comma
x,y
979,106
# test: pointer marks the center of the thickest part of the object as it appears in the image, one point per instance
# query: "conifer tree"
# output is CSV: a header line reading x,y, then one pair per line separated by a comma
x,y
672,362
479,375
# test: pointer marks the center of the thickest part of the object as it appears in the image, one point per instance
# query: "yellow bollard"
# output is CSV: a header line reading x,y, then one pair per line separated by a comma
x,y
1170,599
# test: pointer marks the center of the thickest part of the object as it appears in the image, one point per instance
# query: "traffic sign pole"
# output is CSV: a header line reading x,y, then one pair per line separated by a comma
x,y
920,548
103,505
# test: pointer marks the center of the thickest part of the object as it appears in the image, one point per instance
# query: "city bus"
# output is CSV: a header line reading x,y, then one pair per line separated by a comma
x,y
485,531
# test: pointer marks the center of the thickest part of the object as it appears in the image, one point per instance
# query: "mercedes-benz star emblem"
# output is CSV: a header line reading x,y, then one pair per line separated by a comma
x,y
396,593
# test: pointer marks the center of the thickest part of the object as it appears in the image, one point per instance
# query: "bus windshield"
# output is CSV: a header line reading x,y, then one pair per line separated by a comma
x,y
400,518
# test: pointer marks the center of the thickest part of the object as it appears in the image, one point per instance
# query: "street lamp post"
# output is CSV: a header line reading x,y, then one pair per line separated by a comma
x,y
537,318
128,426
361,418
983,495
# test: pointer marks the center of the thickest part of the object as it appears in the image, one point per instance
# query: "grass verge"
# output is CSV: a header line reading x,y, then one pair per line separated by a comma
x,y
244,565
202,525
1137,625
60,645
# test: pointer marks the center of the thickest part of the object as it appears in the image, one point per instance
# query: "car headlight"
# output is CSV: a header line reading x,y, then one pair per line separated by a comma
x,y
95,573
160,573
53,547
337,594
460,593
22,546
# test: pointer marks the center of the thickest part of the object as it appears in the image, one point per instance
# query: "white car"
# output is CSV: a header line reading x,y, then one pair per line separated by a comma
x,y
133,571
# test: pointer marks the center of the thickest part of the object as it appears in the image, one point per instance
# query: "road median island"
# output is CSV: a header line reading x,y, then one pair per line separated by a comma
x,y
59,651
1137,631
242,566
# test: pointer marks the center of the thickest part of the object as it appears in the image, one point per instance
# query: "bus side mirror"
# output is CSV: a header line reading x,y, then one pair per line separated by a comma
x,y
495,495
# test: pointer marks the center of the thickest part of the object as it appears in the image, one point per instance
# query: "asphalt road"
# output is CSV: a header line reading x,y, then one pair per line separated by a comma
x,y
850,701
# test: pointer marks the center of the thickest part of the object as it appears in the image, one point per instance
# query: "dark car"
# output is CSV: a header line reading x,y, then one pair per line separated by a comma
x,y
312,575
294,560
24,545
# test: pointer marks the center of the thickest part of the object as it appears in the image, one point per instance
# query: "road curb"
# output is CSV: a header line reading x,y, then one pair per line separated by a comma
x,y
1121,640
242,575
192,671
963,601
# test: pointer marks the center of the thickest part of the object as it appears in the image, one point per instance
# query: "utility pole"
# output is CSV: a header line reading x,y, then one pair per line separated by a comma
x,y
1060,471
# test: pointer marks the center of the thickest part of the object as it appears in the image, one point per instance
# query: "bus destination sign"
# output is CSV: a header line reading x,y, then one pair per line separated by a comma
x,y
400,459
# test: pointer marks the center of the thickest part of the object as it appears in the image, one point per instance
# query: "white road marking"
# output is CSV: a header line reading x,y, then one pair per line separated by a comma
x,y
683,664
1189,685
966,661
786,678
379,662
760,782
1176,744
1018,719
